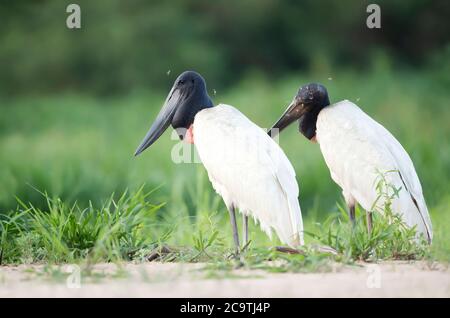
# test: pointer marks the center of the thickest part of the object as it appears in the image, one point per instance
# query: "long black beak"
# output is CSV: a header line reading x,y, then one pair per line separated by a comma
x,y
294,111
162,121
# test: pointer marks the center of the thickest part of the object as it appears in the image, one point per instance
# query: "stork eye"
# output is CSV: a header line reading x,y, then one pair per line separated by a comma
x,y
180,82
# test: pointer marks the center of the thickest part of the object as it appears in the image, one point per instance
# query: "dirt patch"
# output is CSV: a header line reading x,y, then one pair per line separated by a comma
x,y
392,279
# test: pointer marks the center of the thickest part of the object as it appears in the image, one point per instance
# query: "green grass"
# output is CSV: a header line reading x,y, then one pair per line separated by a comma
x,y
67,233
389,237
68,160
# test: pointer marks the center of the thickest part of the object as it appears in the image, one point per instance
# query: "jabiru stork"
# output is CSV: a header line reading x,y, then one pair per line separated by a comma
x,y
356,149
245,166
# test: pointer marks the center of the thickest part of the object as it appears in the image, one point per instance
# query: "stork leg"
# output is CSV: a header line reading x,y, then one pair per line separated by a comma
x,y
245,228
351,213
234,227
369,222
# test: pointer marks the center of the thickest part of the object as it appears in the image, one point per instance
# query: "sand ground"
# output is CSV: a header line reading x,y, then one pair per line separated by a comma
x,y
391,279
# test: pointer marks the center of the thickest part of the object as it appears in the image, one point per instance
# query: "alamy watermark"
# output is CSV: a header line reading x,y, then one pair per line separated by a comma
x,y
74,278
73,20
374,276
374,18
235,151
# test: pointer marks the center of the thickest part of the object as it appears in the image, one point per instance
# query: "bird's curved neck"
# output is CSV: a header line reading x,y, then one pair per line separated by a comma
x,y
307,123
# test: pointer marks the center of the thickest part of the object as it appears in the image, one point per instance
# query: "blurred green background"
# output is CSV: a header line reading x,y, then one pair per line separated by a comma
x,y
75,103
125,46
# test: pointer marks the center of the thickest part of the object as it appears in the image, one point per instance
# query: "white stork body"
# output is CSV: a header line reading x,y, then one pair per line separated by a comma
x,y
249,170
355,147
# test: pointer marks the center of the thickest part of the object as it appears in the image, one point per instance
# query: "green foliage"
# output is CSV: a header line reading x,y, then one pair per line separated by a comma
x,y
390,237
79,150
63,233
128,45
130,229
267,259
10,227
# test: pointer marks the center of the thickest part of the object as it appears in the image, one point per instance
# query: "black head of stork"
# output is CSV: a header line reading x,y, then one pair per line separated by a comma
x,y
305,107
186,98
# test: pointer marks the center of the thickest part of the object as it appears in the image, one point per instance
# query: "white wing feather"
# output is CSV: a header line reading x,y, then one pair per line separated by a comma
x,y
249,170
355,147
